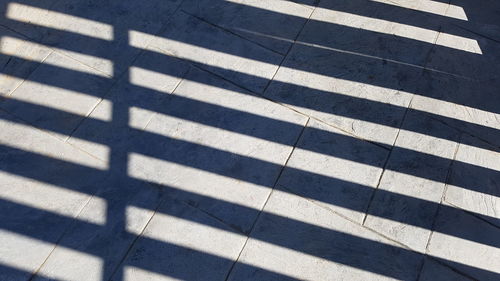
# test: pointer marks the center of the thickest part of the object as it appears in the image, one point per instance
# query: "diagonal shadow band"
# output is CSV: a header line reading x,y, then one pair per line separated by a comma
x,y
384,251
306,92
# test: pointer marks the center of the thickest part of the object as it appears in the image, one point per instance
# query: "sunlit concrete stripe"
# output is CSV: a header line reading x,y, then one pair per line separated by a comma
x,y
49,197
216,58
429,6
455,249
149,79
458,42
345,170
457,111
387,27
186,233
23,252
10,45
28,254
278,6
12,132
56,20
398,29
195,181
204,238
13,75
133,273
233,142
347,52
60,94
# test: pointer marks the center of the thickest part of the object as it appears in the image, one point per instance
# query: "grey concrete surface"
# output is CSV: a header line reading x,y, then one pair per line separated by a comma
x,y
249,140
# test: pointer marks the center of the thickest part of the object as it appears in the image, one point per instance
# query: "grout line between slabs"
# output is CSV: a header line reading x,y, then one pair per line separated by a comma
x,y
288,158
230,32
267,199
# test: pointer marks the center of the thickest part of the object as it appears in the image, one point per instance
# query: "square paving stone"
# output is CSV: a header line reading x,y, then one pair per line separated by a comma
x,y
409,193
213,144
44,185
59,94
303,241
334,169
238,60
473,248
474,183
273,24
19,58
184,243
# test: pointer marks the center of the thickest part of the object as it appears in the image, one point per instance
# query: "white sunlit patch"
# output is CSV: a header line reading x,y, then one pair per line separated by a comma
x,y
23,252
69,264
43,144
287,8
50,198
456,111
431,7
153,80
12,46
132,273
187,233
394,28
202,55
458,42
223,139
398,29
51,97
28,254
60,21
194,180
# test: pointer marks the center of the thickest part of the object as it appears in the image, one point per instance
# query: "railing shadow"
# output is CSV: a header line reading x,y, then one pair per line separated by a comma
x,y
400,69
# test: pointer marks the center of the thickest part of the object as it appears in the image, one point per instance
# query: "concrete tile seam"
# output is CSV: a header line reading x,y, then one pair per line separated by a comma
x,y
267,199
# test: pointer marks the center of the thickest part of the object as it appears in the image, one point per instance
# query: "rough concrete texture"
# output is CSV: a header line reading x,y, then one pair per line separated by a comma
x,y
249,140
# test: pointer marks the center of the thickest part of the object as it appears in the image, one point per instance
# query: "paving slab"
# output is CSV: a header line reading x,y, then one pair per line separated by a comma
x,y
307,242
59,86
182,242
405,218
19,58
148,141
334,169
273,24
483,177
458,252
238,60
204,142
45,183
